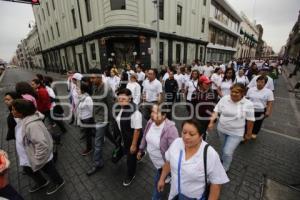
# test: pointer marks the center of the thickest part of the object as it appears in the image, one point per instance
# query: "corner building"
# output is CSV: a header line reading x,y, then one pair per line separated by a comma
x,y
81,34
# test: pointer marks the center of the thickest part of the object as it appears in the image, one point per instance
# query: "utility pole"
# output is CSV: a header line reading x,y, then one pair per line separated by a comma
x,y
83,40
158,35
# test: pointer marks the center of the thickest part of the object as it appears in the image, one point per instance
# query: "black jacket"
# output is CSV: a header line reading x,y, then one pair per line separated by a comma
x,y
11,124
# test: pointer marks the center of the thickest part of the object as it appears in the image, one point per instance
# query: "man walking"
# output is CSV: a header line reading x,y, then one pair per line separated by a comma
x,y
103,100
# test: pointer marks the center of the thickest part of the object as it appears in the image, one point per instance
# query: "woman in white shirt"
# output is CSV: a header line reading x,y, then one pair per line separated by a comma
x,y
227,82
113,80
262,98
241,78
128,121
159,134
235,112
216,79
84,116
185,159
191,87
135,88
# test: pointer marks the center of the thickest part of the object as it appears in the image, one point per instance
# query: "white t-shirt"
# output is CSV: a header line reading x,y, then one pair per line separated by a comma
x,y
181,79
152,90
135,120
242,80
233,115
260,97
135,89
216,79
141,76
165,77
208,71
85,108
191,87
225,87
113,82
51,94
192,170
153,144
269,84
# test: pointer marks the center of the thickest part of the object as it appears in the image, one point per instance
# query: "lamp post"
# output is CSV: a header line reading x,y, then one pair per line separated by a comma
x,y
134,55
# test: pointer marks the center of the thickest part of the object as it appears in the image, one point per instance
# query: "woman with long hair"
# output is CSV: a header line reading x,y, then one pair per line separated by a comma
x,y
227,82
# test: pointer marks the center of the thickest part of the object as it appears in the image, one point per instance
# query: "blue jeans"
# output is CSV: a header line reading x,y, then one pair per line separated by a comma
x,y
99,142
229,144
156,195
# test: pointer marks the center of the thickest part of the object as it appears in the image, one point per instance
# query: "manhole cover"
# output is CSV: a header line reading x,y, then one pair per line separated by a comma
x,y
274,190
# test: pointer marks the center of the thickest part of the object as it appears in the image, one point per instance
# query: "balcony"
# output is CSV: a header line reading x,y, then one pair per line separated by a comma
x,y
220,25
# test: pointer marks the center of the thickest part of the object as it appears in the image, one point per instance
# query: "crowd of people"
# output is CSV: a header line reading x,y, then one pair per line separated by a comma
x,y
135,109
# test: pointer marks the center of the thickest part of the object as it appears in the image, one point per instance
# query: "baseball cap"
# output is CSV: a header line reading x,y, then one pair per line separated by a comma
x,y
204,79
77,76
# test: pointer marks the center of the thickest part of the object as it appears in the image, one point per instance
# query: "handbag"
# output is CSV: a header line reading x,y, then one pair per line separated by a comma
x,y
205,194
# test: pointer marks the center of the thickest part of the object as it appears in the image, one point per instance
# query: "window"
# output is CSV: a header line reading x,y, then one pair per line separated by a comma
x,y
74,18
93,51
161,53
117,4
53,5
161,9
47,5
88,10
204,2
43,14
179,15
57,29
48,36
52,32
203,25
178,53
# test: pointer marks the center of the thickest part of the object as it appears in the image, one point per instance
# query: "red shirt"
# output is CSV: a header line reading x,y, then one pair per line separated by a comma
x,y
43,100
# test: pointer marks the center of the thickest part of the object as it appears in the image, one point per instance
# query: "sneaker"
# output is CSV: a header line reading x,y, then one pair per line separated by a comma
x,y
142,157
38,187
54,187
86,152
128,181
253,136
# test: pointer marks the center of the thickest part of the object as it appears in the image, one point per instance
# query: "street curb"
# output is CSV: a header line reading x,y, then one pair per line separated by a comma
x,y
2,75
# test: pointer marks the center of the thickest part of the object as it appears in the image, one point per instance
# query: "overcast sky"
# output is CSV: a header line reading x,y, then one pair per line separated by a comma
x,y
276,16
14,20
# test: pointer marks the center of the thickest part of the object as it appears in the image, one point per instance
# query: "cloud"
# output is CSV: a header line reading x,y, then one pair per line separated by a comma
x,y
14,19
276,17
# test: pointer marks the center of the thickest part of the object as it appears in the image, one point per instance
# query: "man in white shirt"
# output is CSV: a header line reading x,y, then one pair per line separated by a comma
x,y
152,93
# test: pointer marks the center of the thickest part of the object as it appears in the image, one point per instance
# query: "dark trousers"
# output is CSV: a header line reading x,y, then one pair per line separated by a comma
x,y
48,169
131,164
88,131
131,158
259,118
10,193
170,99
